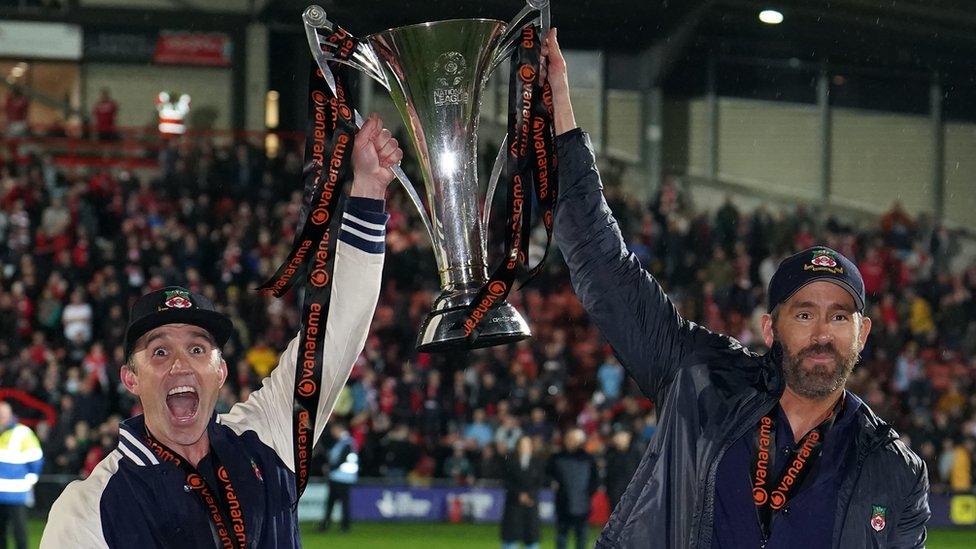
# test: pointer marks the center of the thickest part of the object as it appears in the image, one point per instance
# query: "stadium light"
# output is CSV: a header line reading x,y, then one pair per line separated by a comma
x,y
271,119
771,17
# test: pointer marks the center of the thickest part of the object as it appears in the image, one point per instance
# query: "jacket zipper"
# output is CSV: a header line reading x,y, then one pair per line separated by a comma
x,y
713,466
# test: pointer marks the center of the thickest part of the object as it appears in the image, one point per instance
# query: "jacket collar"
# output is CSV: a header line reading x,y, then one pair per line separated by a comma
x,y
772,373
132,436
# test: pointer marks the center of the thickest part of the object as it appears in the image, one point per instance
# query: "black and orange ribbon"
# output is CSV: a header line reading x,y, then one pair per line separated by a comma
x,y
223,505
530,162
771,495
330,138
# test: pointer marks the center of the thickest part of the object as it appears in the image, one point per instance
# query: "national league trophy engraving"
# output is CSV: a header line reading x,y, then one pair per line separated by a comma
x,y
436,73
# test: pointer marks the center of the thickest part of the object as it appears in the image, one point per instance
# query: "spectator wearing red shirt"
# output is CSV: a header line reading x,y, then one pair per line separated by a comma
x,y
104,113
873,271
16,108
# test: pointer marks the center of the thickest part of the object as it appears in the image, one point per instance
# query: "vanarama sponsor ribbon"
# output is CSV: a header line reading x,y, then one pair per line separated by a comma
x,y
330,135
223,505
769,494
530,168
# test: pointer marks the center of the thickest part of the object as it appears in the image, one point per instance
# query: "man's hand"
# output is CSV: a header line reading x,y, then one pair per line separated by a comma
x,y
375,153
554,69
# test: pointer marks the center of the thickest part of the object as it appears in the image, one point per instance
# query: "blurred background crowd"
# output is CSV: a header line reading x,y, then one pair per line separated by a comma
x,y
79,245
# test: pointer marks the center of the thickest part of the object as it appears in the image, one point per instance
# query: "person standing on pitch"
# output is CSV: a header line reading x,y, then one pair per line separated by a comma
x,y
343,472
21,459
751,450
623,456
524,475
576,476
182,475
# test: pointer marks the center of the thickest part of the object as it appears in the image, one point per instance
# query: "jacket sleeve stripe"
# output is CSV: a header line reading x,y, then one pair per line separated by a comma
x,y
365,235
377,228
370,247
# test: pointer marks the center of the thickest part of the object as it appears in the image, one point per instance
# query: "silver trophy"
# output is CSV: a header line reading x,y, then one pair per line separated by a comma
x,y
436,74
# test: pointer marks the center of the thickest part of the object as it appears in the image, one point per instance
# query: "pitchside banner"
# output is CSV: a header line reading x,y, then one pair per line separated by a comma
x,y
378,503
398,503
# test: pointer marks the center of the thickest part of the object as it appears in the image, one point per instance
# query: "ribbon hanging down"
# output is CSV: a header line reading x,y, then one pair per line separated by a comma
x,y
330,135
772,494
530,161
223,505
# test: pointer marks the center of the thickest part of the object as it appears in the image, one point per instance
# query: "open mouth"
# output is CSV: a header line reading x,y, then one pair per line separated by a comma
x,y
182,402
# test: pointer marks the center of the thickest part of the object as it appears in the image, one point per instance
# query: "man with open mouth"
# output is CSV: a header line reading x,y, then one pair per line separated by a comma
x,y
184,476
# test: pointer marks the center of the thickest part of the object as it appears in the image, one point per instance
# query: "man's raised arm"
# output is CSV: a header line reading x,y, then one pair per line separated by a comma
x,y
626,303
355,290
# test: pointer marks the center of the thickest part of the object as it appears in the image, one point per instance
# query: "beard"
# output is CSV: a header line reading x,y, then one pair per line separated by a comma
x,y
820,380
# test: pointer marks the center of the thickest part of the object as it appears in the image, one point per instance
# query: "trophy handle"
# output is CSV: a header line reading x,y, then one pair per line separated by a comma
x,y
404,181
414,197
363,59
514,28
496,172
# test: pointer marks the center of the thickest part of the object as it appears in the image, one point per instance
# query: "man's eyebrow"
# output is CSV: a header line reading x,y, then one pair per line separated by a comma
x,y
153,337
204,334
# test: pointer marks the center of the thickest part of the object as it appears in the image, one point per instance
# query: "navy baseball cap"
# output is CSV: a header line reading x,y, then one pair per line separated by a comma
x,y
811,265
175,305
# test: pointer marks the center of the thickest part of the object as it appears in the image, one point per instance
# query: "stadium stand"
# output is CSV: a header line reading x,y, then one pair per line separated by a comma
x,y
82,242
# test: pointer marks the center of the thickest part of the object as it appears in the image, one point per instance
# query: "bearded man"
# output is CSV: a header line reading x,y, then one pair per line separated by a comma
x,y
751,450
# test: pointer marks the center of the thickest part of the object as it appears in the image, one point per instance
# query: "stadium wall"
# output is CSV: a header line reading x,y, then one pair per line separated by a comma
x,y
876,158
960,173
134,87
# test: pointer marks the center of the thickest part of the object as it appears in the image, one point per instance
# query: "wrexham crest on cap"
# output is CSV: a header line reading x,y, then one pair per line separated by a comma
x,y
878,513
824,260
178,299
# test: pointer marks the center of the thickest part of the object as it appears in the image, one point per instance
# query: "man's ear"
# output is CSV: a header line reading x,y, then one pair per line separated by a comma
x,y
129,379
862,337
223,371
766,324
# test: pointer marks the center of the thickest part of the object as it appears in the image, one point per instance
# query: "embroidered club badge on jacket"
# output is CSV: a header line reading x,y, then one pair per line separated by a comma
x,y
878,517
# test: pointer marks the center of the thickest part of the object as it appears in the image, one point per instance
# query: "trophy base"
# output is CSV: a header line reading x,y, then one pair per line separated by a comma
x,y
443,329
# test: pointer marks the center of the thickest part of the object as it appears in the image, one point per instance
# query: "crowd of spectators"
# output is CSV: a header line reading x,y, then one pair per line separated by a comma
x,y
80,245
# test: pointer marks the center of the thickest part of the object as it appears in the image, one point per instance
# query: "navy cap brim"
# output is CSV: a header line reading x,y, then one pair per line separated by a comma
x,y
833,279
218,325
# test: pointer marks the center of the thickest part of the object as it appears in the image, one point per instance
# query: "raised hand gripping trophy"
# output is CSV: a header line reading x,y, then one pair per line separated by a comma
x,y
436,73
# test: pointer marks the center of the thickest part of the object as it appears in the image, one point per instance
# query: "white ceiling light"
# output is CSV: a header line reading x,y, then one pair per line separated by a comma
x,y
771,17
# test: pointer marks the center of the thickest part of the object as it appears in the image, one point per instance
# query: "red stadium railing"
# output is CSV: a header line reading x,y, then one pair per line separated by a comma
x,y
29,410
130,148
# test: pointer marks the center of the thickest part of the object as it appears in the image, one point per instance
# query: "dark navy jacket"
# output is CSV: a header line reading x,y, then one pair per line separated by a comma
x,y
578,478
709,391
131,500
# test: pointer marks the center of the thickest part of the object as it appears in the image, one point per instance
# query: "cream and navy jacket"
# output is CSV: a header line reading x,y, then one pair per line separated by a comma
x,y
131,500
